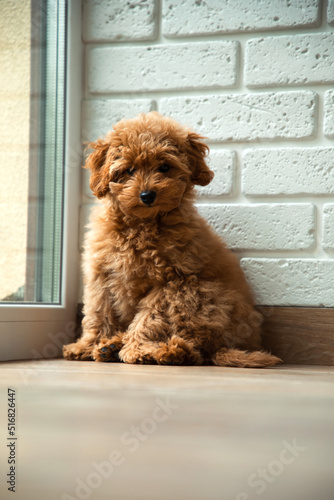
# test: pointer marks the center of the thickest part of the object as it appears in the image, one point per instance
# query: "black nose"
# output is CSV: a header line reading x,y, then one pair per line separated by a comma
x,y
147,197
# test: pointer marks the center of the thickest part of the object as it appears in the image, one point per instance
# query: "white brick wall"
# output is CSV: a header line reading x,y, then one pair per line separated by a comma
x,y
330,12
329,114
130,69
299,281
329,226
119,20
246,117
98,115
288,171
191,17
263,226
304,59
257,79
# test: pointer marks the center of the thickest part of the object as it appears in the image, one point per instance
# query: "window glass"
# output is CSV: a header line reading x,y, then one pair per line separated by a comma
x,y
32,107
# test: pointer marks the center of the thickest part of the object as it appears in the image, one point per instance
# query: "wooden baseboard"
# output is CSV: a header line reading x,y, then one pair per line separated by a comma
x,y
300,335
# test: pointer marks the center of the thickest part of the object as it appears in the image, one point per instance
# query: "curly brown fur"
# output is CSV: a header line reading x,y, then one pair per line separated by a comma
x,y
160,285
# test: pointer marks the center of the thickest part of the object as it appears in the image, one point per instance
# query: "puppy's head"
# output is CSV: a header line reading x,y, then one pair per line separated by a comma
x,y
147,165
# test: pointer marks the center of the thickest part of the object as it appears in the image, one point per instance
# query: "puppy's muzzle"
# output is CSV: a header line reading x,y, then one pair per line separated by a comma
x,y
147,197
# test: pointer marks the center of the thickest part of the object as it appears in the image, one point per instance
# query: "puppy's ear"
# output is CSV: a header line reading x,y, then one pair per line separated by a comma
x,y
96,161
197,150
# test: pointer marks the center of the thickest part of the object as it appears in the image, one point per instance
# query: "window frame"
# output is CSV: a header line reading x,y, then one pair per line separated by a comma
x,y
31,331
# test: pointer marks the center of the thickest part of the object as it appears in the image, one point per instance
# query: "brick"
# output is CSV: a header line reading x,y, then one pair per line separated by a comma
x,y
291,282
197,65
117,20
290,60
263,226
222,163
329,114
328,227
99,115
330,12
288,171
246,117
193,17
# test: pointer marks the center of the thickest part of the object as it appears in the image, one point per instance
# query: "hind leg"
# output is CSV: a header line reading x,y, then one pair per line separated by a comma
x,y
174,351
177,351
149,339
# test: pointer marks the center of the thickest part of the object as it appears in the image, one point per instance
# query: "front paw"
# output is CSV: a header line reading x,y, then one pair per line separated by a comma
x,y
137,358
106,351
76,351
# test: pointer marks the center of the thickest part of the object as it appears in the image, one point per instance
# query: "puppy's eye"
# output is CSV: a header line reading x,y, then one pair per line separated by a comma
x,y
164,168
130,171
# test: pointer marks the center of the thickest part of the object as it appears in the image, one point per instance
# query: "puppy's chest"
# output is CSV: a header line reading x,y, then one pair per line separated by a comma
x,y
148,260
136,267
141,262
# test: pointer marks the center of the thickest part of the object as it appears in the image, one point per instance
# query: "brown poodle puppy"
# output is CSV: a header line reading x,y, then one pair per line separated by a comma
x,y
160,286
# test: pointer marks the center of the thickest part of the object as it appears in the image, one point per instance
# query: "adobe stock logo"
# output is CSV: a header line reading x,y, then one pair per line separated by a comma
x,y
130,441
262,477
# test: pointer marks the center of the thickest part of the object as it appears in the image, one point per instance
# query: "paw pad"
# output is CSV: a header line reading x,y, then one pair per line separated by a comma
x,y
108,353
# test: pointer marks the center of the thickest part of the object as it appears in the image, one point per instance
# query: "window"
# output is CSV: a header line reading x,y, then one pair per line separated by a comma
x,y
40,93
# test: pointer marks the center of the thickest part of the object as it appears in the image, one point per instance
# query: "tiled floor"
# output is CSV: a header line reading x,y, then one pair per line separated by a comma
x,y
100,431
